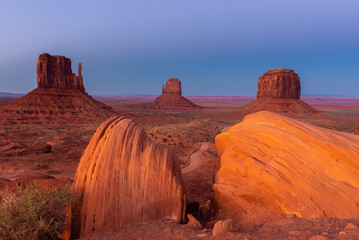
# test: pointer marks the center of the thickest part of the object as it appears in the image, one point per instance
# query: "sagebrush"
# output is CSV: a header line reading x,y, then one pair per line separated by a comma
x,y
32,213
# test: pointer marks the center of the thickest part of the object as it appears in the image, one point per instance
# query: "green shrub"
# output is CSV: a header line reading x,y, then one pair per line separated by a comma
x,y
34,214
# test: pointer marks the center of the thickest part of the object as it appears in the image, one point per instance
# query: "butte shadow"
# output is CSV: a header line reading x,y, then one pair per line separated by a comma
x,y
60,97
279,91
171,99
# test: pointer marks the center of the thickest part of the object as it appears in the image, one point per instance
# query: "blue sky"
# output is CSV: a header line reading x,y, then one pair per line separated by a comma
x,y
213,47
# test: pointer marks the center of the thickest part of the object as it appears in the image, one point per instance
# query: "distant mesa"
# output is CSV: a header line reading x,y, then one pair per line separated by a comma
x,y
279,83
279,91
125,179
272,163
171,99
59,97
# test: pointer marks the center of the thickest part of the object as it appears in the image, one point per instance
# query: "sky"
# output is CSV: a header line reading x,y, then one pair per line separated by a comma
x,y
214,47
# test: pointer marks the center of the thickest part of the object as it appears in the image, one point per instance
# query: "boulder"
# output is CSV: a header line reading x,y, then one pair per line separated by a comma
x,y
124,178
193,222
222,226
351,226
288,167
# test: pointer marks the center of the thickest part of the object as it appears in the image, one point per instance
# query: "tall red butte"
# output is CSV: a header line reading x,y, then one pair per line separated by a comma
x,y
279,91
59,97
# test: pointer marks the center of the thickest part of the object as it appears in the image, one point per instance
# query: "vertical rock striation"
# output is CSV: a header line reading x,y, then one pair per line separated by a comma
x,y
123,178
173,86
279,83
56,72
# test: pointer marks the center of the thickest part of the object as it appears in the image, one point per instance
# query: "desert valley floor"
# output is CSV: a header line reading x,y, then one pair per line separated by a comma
x,y
25,153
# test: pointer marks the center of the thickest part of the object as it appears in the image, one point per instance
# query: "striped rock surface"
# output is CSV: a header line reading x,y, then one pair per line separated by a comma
x,y
123,179
287,166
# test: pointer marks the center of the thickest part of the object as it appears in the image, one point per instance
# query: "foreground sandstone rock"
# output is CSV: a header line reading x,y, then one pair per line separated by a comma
x,y
171,99
59,97
279,91
286,166
123,179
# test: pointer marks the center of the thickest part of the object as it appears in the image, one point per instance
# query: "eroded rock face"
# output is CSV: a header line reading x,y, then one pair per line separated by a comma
x,y
173,86
279,91
286,166
171,99
123,178
59,98
56,72
279,83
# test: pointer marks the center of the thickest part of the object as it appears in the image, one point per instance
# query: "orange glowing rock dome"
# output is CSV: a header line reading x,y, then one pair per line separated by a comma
x,y
287,166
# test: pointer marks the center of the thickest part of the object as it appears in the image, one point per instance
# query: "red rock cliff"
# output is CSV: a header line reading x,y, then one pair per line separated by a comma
x,y
173,86
279,83
56,72
123,178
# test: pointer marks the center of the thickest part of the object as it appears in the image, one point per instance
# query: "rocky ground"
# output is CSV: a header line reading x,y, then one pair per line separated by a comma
x,y
25,152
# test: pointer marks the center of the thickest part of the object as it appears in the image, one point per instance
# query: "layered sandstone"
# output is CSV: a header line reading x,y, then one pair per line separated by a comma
x,y
279,83
123,178
282,165
171,99
173,86
279,91
59,97
56,72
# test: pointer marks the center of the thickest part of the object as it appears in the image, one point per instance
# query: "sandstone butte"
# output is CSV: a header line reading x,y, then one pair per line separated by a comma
x,y
124,178
171,99
59,97
279,91
287,167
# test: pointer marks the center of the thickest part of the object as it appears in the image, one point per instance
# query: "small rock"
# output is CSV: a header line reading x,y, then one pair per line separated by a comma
x,y
202,235
342,233
193,222
222,226
40,148
318,237
351,226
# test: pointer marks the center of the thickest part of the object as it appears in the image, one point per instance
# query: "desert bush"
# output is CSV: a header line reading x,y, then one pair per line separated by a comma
x,y
34,214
